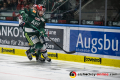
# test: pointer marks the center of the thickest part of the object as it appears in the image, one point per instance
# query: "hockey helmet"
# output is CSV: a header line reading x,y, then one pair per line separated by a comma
x,y
40,7
35,5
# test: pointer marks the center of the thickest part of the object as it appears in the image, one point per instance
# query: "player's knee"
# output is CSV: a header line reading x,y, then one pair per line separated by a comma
x,y
43,51
42,39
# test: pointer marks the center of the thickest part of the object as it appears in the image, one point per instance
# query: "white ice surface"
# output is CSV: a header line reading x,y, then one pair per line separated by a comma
x,y
20,68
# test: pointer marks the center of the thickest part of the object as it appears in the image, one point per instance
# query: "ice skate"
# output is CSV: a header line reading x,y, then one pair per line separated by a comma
x,y
28,55
48,59
39,59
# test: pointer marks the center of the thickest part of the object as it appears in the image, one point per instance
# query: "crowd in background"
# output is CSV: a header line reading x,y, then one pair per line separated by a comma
x,y
51,5
19,4
13,4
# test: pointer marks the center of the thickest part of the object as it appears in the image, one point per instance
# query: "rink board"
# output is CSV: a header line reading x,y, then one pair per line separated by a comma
x,y
67,41
67,57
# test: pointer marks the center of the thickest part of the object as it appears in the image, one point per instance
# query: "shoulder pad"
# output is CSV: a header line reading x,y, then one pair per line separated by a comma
x,y
43,19
32,10
21,11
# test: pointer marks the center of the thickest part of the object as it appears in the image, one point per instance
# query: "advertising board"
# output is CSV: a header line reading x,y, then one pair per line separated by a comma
x,y
95,42
14,36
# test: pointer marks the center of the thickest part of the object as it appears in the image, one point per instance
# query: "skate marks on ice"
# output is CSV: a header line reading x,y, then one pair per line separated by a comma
x,y
47,65
57,67
68,66
53,65
72,66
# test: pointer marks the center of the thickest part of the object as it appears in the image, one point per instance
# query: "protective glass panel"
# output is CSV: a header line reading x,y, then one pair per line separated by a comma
x,y
113,13
92,12
9,9
60,11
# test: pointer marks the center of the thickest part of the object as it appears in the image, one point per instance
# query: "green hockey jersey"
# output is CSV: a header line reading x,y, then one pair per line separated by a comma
x,y
31,17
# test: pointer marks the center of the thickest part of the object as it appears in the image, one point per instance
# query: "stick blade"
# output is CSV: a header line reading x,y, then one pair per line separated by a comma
x,y
70,52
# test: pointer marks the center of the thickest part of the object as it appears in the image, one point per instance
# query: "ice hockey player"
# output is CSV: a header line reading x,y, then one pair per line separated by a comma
x,y
34,18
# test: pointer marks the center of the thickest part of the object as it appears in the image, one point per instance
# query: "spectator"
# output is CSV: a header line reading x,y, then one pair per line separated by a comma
x,y
25,2
1,3
9,4
4,6
20,5
60,1
77,2
31,5
14,4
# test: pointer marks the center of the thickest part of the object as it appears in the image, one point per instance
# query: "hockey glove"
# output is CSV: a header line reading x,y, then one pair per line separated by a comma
x,y
23,14
42,33
22,24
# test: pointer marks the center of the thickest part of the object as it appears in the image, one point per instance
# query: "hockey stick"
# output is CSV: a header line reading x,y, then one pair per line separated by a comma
x,y
71,52
59,6
61,47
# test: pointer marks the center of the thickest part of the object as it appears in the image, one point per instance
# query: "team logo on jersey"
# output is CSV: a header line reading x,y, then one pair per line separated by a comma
x,y
42,19
37,19
34,11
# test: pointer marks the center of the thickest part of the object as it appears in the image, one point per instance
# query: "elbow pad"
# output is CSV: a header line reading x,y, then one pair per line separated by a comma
x,y
22,12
